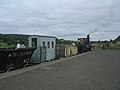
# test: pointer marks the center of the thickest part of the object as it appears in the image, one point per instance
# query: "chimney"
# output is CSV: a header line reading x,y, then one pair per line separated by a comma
x,y
88,39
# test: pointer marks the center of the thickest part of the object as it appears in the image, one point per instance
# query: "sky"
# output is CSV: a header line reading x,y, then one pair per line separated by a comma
x,y
67,19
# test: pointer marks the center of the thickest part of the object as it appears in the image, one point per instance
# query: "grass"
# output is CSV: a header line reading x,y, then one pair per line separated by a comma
x,y
115,46
5,45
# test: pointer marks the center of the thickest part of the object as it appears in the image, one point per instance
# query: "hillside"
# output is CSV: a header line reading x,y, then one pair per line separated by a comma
x,y
11,37
10,40
117,39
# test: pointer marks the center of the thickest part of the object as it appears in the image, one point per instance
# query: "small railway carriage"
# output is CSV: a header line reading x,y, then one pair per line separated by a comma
x,y
45,48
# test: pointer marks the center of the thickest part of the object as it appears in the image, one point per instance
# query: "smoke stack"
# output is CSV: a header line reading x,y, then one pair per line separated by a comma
x,y
88,39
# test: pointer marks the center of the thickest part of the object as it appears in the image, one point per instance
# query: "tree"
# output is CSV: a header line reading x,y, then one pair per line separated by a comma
x,y
111,40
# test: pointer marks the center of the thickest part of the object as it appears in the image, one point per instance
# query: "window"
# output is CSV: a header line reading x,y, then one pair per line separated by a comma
x,y
52,44
43,44
48,44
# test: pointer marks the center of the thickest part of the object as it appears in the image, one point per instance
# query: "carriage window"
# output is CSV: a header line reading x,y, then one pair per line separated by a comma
x,y
43,44
52,44
48,44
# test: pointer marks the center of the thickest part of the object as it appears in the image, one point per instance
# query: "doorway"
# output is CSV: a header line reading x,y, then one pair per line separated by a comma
x,y
34,42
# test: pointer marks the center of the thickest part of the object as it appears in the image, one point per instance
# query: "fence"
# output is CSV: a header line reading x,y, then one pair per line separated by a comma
x,y
60,51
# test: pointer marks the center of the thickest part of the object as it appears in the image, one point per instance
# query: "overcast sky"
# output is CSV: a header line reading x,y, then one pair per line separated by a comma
x,y
68,19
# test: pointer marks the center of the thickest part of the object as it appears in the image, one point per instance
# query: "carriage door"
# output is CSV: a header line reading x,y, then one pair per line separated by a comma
x,y
34,42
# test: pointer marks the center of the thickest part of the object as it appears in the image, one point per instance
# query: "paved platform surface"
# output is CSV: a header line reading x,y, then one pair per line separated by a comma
x,y
97,70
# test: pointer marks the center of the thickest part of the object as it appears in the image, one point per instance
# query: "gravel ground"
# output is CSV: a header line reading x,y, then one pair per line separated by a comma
x,y
97,70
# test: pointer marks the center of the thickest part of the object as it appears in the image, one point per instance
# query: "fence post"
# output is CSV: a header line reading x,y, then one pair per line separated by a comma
x,y
40,54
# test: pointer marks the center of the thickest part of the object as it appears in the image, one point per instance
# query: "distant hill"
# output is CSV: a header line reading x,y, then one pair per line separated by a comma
x,y
11,39
62,41
117,39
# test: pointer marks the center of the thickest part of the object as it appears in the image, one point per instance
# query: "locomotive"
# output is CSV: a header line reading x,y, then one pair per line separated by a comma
x,y
83,44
